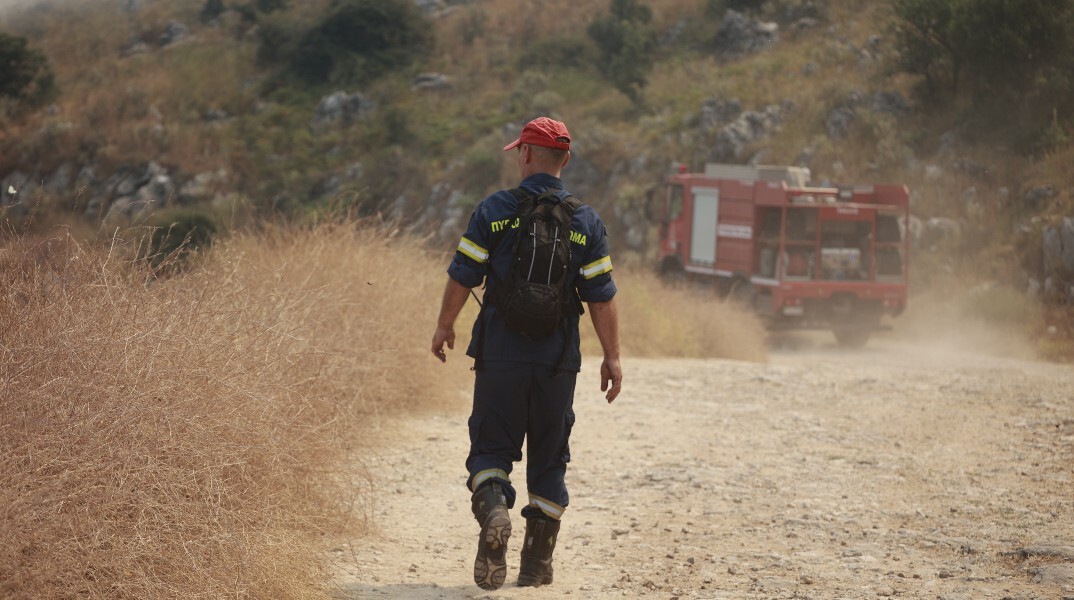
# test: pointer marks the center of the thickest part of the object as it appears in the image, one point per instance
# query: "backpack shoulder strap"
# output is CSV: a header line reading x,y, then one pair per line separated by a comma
x,y
570,204
522,197
565,209
519,193
525,202
573,203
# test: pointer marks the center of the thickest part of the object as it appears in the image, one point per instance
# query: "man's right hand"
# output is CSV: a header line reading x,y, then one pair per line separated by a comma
x,y
610,371
606,322
443,335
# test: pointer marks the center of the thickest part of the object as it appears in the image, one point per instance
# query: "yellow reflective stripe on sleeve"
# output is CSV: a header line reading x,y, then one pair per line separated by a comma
x,y
473,251
548,507
595,268
483,476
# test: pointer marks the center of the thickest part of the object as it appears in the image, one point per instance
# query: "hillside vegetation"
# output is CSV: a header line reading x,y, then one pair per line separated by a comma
x,y
254,109
225,228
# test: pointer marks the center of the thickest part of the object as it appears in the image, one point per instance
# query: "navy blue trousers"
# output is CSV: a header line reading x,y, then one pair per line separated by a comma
x,y
513,403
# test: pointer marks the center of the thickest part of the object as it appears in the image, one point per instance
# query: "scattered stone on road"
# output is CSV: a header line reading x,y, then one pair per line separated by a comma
x,y
893,471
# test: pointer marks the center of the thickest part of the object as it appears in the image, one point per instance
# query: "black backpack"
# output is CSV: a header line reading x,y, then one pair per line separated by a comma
x,y
534,299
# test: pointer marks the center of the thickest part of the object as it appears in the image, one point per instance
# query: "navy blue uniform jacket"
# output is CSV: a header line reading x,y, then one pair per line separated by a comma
x,y
488,242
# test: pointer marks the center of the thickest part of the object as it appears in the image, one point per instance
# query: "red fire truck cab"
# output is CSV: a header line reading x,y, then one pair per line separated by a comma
x,y
803,257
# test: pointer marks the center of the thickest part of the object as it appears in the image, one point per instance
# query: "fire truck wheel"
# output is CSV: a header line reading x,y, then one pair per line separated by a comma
x,y
851,338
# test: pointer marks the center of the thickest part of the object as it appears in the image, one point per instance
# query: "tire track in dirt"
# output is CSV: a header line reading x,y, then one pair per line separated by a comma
x,y
893,471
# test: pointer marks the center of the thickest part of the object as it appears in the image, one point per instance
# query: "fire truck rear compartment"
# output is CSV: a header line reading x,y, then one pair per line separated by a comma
x,y
803,257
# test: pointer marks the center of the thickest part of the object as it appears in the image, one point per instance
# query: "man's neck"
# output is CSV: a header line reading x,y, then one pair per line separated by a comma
x,y
528,171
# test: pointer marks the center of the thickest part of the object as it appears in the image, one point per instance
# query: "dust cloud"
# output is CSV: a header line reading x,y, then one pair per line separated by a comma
x,y
937,327
933,331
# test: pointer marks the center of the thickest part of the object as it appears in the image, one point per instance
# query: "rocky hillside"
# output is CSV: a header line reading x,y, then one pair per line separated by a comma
x,y
254,109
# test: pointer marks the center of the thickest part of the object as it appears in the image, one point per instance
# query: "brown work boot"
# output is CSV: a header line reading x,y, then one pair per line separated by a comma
x,y
490,509
536,567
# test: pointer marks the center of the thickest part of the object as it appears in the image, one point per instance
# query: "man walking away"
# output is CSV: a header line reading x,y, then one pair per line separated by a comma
x,y
541,254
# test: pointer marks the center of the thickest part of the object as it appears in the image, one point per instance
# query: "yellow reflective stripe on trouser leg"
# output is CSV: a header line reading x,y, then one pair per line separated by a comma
x,y
598,267
548,507
483,476
472,250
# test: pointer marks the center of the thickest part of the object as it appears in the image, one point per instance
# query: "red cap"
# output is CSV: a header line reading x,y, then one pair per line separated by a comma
x,y
543,131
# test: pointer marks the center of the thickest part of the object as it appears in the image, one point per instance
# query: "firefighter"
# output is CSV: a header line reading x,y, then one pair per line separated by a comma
x,y
524,387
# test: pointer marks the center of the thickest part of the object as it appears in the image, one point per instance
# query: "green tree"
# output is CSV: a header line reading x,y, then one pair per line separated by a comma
x,y
1015,57
211,10
1008,43
922,31
25,74
278,41
250,10
359,40
270,6
626,42
994,45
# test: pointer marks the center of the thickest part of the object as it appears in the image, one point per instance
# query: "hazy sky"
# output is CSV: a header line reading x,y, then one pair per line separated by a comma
x,y
10,3
7,5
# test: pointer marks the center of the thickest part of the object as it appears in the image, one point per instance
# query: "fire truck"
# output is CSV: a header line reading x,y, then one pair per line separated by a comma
x,y
803,257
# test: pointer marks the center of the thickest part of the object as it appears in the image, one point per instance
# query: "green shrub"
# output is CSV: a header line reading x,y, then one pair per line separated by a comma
x,y
26,75
211,10
480,171
922,39
1044,138
247,12
394,126
626,41
278,41
177,235
401,183
988,46
361,40
314,59
472,26
250,10
569,52
1007,44
270,6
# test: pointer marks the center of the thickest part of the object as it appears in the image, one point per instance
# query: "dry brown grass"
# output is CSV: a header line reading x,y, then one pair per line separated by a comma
x,y
195,436
661,320
191,437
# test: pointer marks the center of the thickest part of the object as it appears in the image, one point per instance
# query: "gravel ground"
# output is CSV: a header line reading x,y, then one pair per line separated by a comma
x,y
895,470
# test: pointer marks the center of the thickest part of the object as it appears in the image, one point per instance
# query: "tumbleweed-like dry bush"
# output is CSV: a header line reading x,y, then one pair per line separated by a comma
x,y
190,436
200,435
658,319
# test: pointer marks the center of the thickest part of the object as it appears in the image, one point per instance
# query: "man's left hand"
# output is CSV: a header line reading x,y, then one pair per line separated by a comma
x,y
610,371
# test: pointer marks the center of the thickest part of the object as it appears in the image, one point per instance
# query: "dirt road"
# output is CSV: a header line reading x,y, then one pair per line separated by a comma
x,y
896,471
